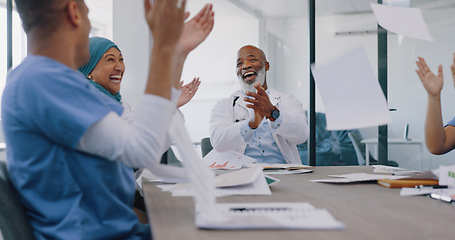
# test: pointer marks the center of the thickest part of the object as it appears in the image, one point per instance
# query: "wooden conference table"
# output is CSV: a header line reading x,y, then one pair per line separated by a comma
x,y
368,210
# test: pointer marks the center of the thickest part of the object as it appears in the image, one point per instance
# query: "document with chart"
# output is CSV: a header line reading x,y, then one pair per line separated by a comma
x,y
212,215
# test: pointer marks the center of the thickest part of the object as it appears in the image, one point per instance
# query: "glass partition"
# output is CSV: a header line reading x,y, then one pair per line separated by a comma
x,y
340,25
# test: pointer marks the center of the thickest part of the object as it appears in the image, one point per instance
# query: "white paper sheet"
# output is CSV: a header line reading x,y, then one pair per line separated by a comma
x,y
277,215
226,160
394,170
405,21
238,178
356,177
424,191
350,92
258,186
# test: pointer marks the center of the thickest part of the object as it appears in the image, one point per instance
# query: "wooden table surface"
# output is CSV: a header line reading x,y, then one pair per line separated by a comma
x,y
368,210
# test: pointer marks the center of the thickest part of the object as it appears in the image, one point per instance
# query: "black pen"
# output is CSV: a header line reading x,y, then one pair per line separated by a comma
x,y
432,186
260,208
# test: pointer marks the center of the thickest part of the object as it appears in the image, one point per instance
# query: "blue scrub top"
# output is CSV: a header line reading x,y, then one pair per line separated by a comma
x,y
68,194
451,122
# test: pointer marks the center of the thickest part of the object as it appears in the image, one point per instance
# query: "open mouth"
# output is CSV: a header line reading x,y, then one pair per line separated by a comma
x,y
115,78
249,76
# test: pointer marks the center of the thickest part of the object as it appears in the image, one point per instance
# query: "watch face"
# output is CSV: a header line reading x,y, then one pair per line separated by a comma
x,y
275,114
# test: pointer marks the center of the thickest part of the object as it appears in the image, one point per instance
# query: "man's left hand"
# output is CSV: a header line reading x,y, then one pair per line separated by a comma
x,y
260,101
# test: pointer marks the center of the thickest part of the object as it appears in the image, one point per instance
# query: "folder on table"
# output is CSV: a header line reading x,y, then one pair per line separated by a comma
x,y
400,183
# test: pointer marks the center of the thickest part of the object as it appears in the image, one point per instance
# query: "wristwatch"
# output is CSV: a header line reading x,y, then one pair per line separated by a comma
x,y
275,114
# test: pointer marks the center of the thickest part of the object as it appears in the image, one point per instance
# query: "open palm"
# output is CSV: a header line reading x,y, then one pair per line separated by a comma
x,y
433,84
197,29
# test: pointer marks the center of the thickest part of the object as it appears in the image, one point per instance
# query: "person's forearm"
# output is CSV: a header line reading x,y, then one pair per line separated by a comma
x,y
435,137
179,61
161,71
137,140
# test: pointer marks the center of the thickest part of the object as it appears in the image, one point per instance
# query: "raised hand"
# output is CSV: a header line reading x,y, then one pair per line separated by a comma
x,y
188,91
197,29
165,19
433,84
259,102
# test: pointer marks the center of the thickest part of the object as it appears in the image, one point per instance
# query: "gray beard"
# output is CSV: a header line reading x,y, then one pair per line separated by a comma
x,y
260,77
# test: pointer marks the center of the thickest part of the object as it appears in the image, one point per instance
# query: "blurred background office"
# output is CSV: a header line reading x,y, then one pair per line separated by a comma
x,y
280,28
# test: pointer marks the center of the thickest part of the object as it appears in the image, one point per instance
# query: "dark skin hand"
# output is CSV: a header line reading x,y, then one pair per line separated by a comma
x,y
260,104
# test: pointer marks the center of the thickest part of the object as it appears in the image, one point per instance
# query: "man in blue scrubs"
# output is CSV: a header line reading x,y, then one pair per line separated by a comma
x,y
71,149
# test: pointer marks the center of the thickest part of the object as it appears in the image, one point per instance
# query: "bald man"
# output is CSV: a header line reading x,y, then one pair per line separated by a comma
x,y
256,120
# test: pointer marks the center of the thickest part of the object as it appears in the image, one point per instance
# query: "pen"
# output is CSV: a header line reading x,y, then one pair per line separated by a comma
x,y
257,209
432,186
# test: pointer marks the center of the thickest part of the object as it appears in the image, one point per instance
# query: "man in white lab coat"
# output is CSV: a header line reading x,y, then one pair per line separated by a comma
x,y
256,120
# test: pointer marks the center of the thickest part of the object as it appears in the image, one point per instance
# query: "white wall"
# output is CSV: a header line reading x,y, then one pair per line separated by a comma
x,y
213,61
131,34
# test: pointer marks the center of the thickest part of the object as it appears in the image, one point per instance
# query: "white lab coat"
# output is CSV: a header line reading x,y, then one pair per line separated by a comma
x,y
227,116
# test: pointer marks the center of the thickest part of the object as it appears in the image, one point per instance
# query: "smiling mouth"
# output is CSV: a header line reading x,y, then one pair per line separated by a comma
x,y
249,76
116,78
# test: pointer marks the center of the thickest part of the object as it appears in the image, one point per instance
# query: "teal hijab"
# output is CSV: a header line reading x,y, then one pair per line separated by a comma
x,y
98,46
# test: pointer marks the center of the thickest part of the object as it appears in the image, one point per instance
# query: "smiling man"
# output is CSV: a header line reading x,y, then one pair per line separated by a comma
x,y
256,120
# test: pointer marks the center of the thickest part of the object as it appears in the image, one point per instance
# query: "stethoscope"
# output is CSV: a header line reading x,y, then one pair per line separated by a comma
x,y
245,112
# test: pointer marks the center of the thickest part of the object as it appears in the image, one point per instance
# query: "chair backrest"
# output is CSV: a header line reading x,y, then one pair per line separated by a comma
x,y
14,223
359,150
169,158
206,146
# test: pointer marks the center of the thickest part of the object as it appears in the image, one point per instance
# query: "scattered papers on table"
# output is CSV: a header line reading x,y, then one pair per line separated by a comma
x,y
226,160
426,190
356,177
249,181
275,215
393,170
162,173
238,178
274,169
405,21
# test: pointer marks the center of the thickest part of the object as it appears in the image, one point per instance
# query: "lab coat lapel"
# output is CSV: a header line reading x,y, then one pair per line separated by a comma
x,y
274,96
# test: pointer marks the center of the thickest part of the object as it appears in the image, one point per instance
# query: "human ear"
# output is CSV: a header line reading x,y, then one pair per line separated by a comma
x,y
73,13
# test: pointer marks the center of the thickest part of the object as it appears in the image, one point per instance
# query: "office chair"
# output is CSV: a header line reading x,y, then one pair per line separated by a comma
x,y
14,223
206,146
169,158
359,147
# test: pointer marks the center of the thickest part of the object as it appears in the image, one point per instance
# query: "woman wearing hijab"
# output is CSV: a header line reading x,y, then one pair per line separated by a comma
x,y
105,71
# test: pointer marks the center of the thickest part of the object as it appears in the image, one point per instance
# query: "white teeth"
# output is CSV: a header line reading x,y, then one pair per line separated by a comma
x,y
116,78
248,74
